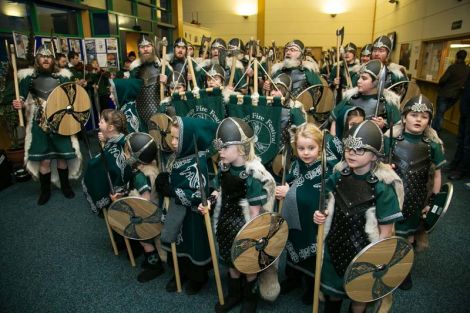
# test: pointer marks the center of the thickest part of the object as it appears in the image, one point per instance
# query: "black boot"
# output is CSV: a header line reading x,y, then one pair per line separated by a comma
x,y
332,306
250,297
45,180
292,280
233,296
307,297
152,269
407,283
64,183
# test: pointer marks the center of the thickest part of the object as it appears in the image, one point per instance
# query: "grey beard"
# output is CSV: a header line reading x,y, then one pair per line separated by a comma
x,y
289,63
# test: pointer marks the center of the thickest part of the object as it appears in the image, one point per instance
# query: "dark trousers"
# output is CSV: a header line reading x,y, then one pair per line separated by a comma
x,y
443,104
462,153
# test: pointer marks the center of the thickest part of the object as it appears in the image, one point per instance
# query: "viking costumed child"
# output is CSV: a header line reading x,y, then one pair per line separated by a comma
x,y
352,68
112,131
183,223
177,85
301,201
381,49
365,97
348,116
245,190
352,221
417,152
124,94
42,144
140,151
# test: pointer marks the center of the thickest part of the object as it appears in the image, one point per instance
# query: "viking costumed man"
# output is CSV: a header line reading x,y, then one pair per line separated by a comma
x,y
381,49
366,53
303,73
42,146
349,57
148,68
218,56
178,61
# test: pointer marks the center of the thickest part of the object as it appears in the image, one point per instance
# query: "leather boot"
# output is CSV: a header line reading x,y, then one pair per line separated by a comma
x,y
45,195
64,183
233,296
152,269
332,306
250,297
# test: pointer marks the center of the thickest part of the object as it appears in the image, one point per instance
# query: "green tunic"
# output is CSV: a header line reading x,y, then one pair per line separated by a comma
x,y
95,182
410,225
127,91
354,75
387,212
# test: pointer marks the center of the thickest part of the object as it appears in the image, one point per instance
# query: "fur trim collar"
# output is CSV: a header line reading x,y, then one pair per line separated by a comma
x,y
288,63
398,70
137,62
65,73
392,98
356,68
429,133
22,74
203,63
349,93
238,64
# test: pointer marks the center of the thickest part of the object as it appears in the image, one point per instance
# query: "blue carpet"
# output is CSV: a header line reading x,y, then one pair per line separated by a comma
x,y
58,258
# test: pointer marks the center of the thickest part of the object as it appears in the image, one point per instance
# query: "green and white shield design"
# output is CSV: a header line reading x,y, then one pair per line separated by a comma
x,y
266,123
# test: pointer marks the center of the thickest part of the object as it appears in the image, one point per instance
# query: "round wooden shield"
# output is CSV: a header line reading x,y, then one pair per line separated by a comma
x,y
318,101
67,109
378,269
278,163
160,130
259,243
439,207
135,218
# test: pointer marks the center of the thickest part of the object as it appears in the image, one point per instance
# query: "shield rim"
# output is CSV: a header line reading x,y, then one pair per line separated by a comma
x,y
244,227
398,83
450,194
129,197
364,250
89,107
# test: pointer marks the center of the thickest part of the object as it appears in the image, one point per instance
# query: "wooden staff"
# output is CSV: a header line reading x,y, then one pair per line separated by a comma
x,y
191,71
321,227
15,80
249,61
348,76
286,157
206,48
255,77
162,85
210,235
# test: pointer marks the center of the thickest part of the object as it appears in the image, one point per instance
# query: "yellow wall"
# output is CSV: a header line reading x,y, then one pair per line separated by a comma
x,y
220,18
415,21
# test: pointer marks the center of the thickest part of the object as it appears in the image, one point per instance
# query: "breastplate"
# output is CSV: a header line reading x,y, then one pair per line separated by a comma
x,y
411,156
178,66
149,73
42,85
299,81
369,106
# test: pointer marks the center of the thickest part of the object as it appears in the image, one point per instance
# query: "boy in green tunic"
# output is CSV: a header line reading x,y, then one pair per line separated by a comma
x,y
183,223
42,146
352,222
244,190
364,96
416,152
301,196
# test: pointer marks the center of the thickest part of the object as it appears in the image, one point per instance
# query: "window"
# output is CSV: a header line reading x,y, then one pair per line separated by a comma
x,y
13,15
61,21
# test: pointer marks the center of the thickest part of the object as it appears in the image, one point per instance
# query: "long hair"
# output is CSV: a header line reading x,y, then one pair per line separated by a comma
x,y
115,118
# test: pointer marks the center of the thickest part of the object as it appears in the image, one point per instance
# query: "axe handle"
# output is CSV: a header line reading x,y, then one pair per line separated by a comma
x,y
316,289
110,232
232,71
255,76
206,48
176,267
15,80
162,85
348,76
215,261
337,58
191,71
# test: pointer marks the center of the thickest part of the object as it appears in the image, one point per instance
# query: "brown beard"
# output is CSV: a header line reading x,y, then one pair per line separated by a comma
x,y
147,58
43,70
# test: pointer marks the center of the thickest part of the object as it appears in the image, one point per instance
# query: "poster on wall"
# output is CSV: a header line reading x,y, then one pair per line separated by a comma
x,y
76,46
104,50
405,54
21,44
63,46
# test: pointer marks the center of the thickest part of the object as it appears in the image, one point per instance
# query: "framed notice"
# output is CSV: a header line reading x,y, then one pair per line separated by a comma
x,y
21,44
